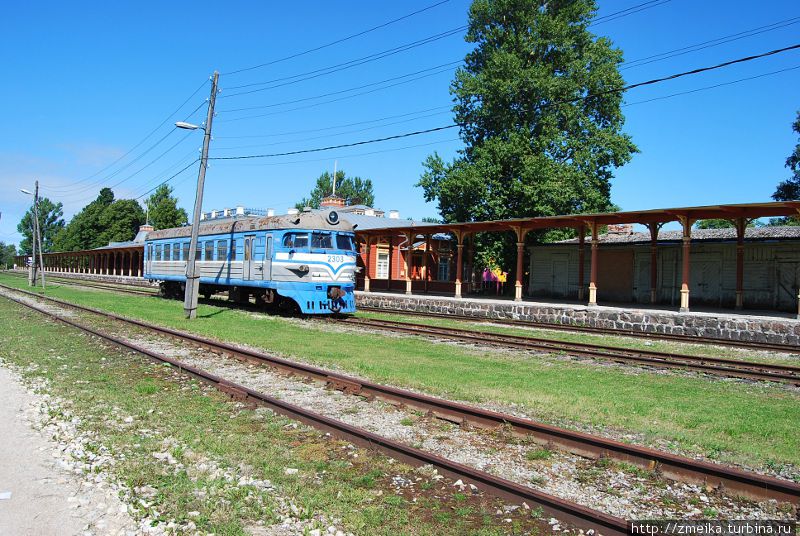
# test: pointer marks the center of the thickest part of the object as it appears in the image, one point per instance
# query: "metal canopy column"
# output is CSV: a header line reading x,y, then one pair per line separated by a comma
x,y
741,225
686,222
581,260
593,268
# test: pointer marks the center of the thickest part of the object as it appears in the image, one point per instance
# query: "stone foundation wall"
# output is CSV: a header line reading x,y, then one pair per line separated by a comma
x,y
725,326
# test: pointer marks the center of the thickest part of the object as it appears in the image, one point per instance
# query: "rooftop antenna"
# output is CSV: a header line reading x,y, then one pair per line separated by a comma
x,y
334,178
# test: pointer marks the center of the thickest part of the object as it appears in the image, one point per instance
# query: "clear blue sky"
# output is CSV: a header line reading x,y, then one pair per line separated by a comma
x,y
84,83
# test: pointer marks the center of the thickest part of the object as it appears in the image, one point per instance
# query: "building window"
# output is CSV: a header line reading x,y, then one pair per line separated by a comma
x,y
158,252
222,250
167,252
186,251
176,252
209,251
382,266
444,269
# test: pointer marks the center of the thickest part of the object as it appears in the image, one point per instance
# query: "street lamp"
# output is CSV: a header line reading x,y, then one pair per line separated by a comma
x,y
36,236
192,279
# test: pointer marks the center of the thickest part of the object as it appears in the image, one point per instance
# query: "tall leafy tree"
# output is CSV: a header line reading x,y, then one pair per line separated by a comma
x,y
85,229
7,253
51,222
120,221
538,105
789,189
354,190
163,209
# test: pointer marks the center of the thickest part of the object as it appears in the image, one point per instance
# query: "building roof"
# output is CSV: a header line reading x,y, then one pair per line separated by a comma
x,y
711,235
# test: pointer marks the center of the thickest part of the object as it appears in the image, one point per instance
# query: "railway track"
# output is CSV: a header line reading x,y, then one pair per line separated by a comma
x,y
692,339
125,289
709,365
745,483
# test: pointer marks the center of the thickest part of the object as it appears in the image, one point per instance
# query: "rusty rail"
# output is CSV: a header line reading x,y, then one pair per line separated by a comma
x,y
711,365
745,483
567,511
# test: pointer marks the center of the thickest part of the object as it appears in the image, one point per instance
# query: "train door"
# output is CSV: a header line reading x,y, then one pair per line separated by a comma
x,y
149,259
247,264
267,272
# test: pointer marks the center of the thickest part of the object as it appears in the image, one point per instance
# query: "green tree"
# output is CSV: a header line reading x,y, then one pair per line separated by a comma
x,y
538,107
7,254
163,209
354,190
85,229
120,221
713,224
789,189
51,222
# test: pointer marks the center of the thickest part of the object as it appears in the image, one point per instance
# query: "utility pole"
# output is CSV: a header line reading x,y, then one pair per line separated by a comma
x,y
36,236
192,279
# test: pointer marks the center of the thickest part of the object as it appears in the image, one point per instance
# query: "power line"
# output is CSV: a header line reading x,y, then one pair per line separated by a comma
x,y
191,155
354,95
629,11
586,97
178,109
169,179
710,43
259,107
288,153
323,71
278,134
713,87
336,42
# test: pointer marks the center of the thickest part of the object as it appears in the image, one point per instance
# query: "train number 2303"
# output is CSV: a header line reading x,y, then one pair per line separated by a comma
x,y
335,258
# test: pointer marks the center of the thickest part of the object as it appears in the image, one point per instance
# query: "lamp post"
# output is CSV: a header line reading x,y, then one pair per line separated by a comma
x,y
36,236
192,279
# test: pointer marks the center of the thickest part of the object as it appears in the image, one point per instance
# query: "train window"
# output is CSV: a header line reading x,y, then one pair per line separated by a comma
x,y
233,249
158,252
198,251
295,240
222,250
209,251
176,252
167,252
321,240
345,242
186,251
149,252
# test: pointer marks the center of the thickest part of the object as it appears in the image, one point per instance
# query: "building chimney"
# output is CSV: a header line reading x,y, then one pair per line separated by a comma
x,y
332,201
240,211
369,212
394,214
146,228
213,214
202,216
227,212
270,212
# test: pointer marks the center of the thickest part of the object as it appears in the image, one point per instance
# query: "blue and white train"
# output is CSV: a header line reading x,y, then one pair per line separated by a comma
x,y
304,261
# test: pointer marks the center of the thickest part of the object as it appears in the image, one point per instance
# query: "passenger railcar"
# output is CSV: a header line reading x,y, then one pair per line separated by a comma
x,y
305,261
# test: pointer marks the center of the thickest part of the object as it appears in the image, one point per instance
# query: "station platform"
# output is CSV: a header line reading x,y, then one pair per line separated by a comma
x,y
751,326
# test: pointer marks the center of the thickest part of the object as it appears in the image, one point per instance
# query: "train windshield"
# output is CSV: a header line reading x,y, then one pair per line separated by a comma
x,y
345,242
295,240
321,240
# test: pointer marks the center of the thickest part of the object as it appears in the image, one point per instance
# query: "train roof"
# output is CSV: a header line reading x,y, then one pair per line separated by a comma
x,y
328,221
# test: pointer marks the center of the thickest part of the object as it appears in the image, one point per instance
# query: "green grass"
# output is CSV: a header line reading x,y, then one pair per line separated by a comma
x,y
194,423
731,421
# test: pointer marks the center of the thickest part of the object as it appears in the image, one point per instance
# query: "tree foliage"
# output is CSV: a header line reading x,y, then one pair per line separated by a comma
x,y
163,209
713,224
51,223
354,190
538,106
102,221
7,254
789,189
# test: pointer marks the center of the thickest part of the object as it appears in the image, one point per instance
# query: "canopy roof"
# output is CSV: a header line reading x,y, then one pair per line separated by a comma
x,y
690,214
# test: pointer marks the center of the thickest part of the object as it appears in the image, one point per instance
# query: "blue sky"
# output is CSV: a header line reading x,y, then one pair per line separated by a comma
x,y
85,83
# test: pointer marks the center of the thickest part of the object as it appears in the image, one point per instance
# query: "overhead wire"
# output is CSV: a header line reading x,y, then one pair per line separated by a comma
x,y
169,178
337,41
147,137
629,11
576,99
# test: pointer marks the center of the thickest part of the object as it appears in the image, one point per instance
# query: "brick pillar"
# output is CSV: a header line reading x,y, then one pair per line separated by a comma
x,y
593,266
407,265
654,228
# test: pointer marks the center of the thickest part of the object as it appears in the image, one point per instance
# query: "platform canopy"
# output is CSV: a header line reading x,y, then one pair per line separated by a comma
x,y
664,215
